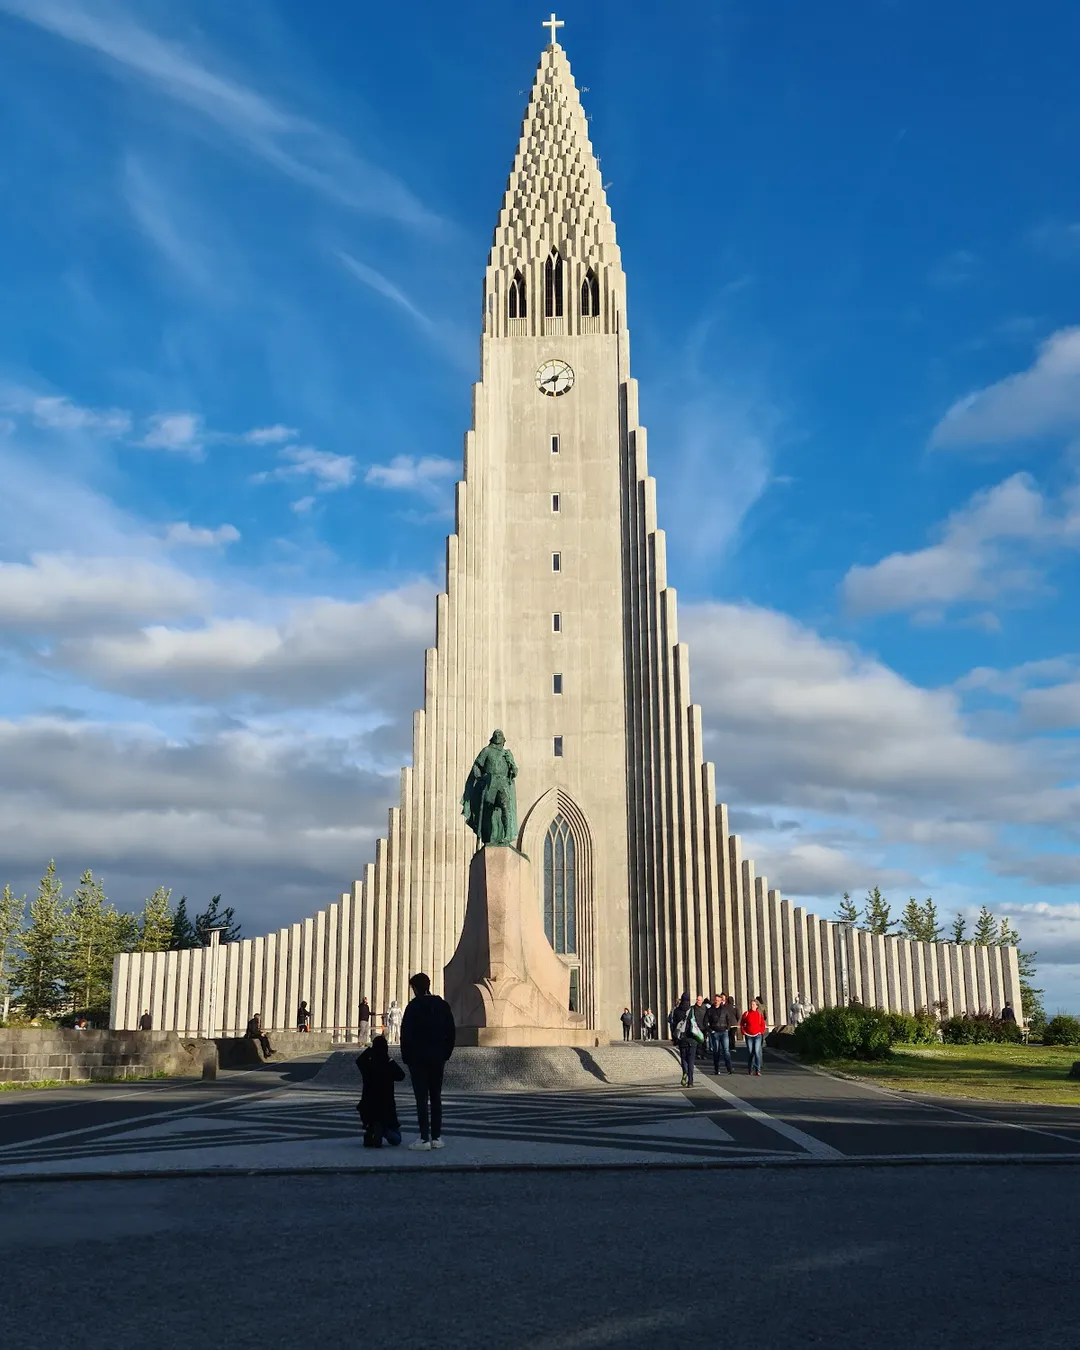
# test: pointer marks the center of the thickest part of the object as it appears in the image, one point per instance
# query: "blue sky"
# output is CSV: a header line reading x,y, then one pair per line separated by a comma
x,y
241,261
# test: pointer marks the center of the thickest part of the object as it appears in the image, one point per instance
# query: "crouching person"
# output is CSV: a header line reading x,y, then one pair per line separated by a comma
x,y
378,1110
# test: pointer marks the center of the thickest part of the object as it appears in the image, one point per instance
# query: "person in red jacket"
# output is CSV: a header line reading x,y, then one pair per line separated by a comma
x,y
753,1026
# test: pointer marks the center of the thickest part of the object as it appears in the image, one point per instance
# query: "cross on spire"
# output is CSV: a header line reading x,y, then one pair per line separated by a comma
x,y
553,23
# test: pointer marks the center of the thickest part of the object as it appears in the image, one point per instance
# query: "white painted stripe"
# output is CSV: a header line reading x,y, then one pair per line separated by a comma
x,y
122,1124
815,1147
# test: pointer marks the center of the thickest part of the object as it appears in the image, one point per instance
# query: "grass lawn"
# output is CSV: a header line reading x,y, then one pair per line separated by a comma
x,y
1003,1073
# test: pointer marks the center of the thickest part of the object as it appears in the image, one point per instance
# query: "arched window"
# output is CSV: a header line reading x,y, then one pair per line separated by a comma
x,y
560,887
553,287
590,295
516,305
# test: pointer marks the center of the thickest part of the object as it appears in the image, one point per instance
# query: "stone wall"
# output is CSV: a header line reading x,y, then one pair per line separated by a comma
x,y
40,1054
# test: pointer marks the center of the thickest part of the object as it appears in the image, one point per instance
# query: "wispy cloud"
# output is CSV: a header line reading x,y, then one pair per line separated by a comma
x,y
56,413
426,476
274,435
444,335
293,145
197,536
328,471
180,432
978,558
1040,401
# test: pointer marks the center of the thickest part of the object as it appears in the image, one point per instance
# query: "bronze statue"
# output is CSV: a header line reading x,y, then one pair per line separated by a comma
x,y
489,802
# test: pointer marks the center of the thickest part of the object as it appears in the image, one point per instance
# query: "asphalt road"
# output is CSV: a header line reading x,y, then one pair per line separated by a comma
x,y
913,1257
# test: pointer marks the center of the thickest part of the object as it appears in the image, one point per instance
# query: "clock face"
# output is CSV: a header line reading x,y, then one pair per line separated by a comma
x,y
554,378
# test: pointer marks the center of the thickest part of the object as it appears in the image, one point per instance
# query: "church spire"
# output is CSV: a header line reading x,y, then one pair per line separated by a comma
x,y
554,206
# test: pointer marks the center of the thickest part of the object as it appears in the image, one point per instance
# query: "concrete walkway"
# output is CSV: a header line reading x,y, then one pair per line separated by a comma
x,y
616,1106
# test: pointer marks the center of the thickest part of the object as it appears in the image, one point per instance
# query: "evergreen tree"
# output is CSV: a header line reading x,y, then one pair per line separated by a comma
x,y
931,927
12,914
214,916
94,930
913,921
876,913
183,930
156,923
39,971
1031,1003
986,929
959,927
847,911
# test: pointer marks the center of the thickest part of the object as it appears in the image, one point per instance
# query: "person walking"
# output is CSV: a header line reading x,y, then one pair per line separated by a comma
x,y
393,1022
754,1026
364,1020
146,1022
683,1027
720,1019
427,1042
1008,1013
378,1110
627,1020
303,1017
648,1025
700,1009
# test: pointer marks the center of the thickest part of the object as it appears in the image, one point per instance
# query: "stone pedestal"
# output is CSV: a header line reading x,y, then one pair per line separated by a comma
x,y
504,983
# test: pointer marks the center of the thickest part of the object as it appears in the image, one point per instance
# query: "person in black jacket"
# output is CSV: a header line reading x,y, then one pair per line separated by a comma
x,y
719,1021
378,1110
427,1042
700,1009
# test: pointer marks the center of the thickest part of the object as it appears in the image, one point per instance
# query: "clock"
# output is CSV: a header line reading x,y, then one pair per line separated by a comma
x,y
554,378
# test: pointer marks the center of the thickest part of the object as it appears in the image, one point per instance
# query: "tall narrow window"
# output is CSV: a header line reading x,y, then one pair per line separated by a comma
x,y
560,887
556,623
556,747
556,562
556,684
575,989
516,303
554,445
555,502
590,295
553,285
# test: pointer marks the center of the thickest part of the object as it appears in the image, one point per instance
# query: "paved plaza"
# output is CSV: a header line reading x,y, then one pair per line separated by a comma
x,y
620,1106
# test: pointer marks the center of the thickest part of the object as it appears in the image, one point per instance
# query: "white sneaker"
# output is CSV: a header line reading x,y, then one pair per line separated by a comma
x,y
420,1144
436,1143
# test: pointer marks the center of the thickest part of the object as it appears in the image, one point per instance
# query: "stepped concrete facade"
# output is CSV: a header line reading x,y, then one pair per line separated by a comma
x,y
558,625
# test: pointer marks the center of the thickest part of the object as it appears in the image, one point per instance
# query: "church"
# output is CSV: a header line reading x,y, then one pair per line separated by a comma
x,y
558,626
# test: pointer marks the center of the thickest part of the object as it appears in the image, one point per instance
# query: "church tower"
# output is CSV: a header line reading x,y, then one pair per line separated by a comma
x,y
558,626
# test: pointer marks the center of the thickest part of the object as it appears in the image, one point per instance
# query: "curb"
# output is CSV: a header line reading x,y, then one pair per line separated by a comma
x,y
473,1169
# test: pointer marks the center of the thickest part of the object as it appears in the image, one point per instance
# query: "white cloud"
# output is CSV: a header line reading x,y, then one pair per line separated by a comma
x,y
970,563
62,592
274,819
323,650
56,413
795,718
274,435
182,432
382,285
292,145
302,505
426,475
197,536
1040,401
329,471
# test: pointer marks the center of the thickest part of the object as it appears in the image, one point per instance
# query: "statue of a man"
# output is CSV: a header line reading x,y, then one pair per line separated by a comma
x,y
489,802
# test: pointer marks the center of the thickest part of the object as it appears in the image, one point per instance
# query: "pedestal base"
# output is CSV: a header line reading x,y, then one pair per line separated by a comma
x,y
504,983
534,1036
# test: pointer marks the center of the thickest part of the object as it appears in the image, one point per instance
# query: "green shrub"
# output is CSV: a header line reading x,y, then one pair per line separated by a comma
x,y
844,1033
979,1030
1062,1030
912,1028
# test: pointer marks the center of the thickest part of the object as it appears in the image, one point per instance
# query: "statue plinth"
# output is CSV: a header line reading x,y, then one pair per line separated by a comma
x,y
504,983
